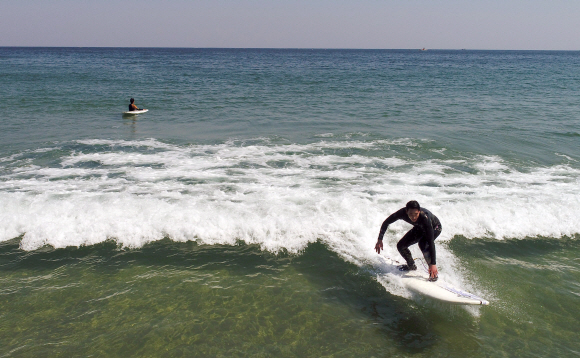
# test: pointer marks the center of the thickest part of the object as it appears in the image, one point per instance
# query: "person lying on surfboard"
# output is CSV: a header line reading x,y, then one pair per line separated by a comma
x,y
132,106
426,228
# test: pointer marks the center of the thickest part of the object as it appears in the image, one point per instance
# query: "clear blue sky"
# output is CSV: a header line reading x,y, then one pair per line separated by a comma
x,y
391,24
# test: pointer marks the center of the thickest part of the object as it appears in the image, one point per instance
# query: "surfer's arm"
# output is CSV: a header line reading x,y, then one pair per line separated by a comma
x,y
430,235
427,226
388,221
391,219
379,245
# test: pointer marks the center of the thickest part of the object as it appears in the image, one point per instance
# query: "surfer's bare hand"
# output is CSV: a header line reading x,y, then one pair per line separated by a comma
x,y
433,273
379,246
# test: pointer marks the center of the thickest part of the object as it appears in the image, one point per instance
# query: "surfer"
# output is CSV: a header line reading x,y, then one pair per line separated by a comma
x,y
132,106
426,228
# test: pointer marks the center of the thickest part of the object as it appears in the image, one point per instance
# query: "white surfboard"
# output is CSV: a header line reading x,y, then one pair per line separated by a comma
x,y
136,112
418,281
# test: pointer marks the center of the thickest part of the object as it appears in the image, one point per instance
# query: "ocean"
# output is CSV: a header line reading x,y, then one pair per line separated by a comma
x,y
238,217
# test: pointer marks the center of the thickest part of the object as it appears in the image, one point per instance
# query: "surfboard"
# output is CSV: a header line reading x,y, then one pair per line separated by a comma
x,y
135,112
418,281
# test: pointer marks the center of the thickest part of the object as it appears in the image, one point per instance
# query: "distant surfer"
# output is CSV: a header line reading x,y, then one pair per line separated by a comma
x,y
426,228
132,106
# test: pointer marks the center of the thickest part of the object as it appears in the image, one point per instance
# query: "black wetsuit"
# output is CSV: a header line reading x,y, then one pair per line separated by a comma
x,y
425,230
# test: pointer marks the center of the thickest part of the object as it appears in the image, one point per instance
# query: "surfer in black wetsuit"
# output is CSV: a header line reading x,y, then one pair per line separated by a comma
x,y
132,106
426,228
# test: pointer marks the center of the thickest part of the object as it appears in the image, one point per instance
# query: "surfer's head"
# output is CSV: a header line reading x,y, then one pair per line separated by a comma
x,y
413,204
132,100
413,210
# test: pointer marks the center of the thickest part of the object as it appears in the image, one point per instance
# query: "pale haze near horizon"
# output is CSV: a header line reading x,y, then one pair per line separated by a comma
x,y
374,24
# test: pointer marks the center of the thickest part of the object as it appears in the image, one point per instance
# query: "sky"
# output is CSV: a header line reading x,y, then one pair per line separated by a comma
x,y
365,24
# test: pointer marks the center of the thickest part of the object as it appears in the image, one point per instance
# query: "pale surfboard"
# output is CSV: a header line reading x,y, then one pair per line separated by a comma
x,y
130,113
418,281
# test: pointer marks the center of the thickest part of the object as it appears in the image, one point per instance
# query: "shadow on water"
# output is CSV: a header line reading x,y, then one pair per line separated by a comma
x,y
398,325
110,257
513,248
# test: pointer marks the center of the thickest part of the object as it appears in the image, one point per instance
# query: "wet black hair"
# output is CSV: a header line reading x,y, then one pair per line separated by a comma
x,y
413,204
132,100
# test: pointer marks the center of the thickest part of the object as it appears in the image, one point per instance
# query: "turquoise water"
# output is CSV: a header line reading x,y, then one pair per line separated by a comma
x,y
238,216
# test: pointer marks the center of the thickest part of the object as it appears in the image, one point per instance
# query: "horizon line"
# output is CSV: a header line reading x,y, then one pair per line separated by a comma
x,y
288,48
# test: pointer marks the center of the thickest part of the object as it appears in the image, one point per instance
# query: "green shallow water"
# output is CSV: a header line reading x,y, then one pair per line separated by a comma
x,y
172,299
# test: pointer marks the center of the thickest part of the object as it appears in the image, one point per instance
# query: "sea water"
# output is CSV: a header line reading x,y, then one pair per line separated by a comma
x,y
238,217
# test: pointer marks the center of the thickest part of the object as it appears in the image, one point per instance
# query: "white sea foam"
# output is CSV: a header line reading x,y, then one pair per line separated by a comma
x,y
282,197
